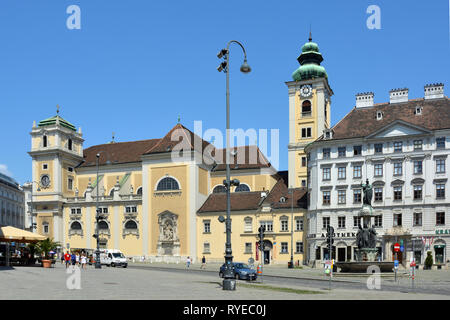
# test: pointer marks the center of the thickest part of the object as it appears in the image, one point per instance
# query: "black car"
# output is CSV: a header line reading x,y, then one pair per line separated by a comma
x,y
240,271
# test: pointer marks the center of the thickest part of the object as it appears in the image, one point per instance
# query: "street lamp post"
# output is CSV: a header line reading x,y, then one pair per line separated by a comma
x,y
97,218
229,283
291,192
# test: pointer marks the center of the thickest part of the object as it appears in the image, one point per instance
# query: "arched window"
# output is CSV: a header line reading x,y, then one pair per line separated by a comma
x,y
44,141
139,191
103,225
306,108
242,188
167,183
69,144
75,225
219,189
130,224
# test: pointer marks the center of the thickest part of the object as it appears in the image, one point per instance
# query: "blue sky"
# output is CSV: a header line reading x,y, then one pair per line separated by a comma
x,y
136,65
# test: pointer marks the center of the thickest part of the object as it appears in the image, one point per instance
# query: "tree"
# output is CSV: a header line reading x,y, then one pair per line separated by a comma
x,y
429,260
45,246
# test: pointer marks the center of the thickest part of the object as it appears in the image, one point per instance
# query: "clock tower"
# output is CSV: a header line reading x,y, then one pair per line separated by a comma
x,y
309,110
56,150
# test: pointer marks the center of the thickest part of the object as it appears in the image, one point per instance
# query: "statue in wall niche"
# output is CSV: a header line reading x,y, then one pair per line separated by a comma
x,y
76,192
168,231
131,189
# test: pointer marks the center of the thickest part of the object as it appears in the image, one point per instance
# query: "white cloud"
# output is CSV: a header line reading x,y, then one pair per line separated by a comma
x,y
4,170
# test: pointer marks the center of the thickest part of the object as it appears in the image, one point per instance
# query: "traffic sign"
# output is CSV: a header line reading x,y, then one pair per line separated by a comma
x,y
402,248
395,263
397,247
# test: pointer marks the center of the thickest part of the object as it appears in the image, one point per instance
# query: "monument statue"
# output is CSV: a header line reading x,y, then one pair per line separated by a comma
x,y
367,189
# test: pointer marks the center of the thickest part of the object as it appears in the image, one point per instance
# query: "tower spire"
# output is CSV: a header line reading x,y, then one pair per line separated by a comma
x,y
57,109
310,34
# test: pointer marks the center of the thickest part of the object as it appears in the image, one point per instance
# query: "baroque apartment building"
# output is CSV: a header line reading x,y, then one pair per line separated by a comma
x,y
12,212
153,204
402,148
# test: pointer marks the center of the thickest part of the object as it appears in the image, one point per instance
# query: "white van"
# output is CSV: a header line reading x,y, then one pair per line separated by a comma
x,y
113,258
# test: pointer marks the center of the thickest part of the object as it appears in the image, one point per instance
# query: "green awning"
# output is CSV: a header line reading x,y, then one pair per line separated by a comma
x,y
440,246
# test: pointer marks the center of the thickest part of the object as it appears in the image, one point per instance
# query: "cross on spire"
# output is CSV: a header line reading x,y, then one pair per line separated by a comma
x,y
57,109
310,34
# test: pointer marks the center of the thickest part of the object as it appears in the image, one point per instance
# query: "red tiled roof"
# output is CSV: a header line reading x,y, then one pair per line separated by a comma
x,y
117,152
361,122
281,190
247,157
217,202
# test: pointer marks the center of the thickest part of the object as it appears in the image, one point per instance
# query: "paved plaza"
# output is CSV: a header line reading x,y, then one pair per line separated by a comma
x,y
154,283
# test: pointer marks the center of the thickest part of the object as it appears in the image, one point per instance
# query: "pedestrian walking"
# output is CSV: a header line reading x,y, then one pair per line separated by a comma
x,y
73,258
188,262
203,263
77,259
67,258
62,257
83,261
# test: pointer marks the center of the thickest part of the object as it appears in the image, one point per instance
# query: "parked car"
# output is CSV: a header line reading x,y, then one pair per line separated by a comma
x,y
113,258
240,271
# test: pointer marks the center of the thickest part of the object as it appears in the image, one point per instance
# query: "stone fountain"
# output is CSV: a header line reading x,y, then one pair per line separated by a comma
x,y
366,239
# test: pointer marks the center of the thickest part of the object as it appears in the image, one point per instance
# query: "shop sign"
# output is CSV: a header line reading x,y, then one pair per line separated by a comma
x,y
443,231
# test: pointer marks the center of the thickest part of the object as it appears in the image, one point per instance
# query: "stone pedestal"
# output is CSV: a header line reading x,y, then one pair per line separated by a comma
x,y
366,254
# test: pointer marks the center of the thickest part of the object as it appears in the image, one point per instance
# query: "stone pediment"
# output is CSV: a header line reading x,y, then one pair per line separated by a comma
x,y
397,129
397,182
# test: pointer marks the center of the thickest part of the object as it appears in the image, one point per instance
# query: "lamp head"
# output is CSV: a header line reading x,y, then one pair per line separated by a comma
x,y
245,68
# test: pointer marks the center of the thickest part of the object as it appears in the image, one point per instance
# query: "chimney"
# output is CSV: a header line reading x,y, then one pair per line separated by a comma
x,y
364,99
398,95
434,91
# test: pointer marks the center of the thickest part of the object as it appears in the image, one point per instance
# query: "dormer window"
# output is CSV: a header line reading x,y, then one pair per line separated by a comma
x,y
282,200
418,111
379,115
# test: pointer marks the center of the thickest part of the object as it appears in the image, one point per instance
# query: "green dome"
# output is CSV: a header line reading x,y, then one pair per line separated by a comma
x,y
309,71
309,60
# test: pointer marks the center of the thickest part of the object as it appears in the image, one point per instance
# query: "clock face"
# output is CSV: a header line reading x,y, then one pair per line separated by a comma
x,y
45,181
306,90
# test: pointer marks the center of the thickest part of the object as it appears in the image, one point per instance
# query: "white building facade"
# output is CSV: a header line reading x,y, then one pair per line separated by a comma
x,y
402,148
12,203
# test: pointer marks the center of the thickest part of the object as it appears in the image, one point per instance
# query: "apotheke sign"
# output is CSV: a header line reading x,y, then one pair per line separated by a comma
x,y
443,231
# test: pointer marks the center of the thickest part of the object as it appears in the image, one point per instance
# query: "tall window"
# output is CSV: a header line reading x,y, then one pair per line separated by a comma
x,y
70,183
357,195
325,222
341,151
284,247
284,224
326,153
417,192
341,172
304,163
378,148
306,108
440,191
268,225
397,219
397,193
418,144
299,224
357,172
206,247
207,226
398,146
69,144
131,225
248,225
44,141
440,143
440,165
341,196
378,221
356,221
397,168
378,169
357,150
326,197
418,166
326,174
341,222
45,227
378,193
248,247
417,220
440,218
167,184
299,247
